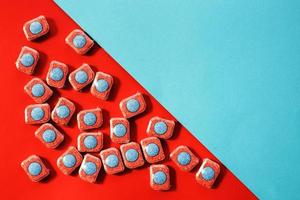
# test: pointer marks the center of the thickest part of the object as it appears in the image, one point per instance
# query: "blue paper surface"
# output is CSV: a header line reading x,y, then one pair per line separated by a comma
x,y
228,70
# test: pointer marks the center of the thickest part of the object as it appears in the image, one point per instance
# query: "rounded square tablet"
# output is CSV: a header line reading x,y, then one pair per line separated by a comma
x,y
89,119
133,105
159,177
208,173
184,158
57,74
90,142
69,160
36,28
119,130
152,149
49,135
102,85
90,168
79,41
132,155
112,161
63,111
81,77
37,113
27,60
35,168
160,127
38,90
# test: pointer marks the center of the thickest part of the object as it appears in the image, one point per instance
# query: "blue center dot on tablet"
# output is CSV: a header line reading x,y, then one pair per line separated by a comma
x,y
152,149
89,168
89,119
79,41
35,27
119,130
69,160
37,113
101,85
159,177
207,173
63,111
184,158
56,74
131,155
34,168
112,160
38,90
81,77
160,128
132,105
49,135
27,59
90,142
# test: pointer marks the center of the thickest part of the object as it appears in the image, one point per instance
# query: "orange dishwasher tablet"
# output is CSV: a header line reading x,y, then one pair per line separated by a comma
x,y
27,60
119,130
90,168
63,111
133,105
57,74
184,158
36,28
89,119
152,149
160,127
208,173
49,135
112,161
79,41
90,142
132,155
35,168
159,177
69,160
38,90
81,77
37,113
102,85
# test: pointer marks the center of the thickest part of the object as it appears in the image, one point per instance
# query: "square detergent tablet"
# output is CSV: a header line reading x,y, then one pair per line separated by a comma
x,y
184,158
27,60
49,135
90,168
208,173
90,142
79,41
81,77
112,161
159,177
37,113
133,105
36,28
119,130
63,111
102,85
89,119
35,168
160,127
69,160
132,155
38,90
152,149
57,74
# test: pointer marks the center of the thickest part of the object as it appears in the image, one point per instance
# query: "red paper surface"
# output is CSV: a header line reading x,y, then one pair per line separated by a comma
x,y
18,141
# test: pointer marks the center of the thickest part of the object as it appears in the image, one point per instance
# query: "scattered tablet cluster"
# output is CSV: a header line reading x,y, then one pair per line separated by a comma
x,y
131,154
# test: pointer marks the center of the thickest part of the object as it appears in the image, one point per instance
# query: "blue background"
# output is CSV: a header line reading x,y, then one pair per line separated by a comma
x,y
228,70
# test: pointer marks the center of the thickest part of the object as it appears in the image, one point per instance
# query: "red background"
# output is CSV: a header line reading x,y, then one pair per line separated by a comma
x,y
18,141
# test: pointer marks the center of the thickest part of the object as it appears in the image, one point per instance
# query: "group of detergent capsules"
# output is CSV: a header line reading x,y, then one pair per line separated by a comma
x,y
130,155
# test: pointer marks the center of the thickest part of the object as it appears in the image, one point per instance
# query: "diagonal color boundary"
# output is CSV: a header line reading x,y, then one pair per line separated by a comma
x,y
228,70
